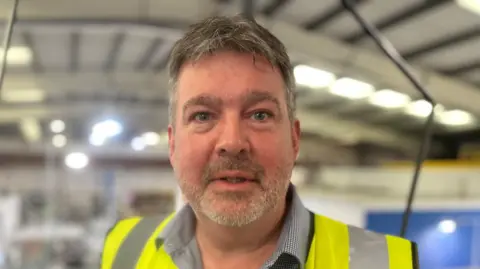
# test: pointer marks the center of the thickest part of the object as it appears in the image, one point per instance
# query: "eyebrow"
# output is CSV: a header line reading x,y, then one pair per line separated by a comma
x,y
255,96
251,98
203,100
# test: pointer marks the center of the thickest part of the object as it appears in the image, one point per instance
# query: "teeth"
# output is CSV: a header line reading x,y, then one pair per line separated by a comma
x,y
234,179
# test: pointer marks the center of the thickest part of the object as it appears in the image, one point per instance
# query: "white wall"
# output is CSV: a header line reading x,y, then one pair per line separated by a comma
x,y
9,219
394,183
346,212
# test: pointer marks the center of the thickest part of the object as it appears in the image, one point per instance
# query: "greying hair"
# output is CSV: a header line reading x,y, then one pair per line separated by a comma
x,y
238,34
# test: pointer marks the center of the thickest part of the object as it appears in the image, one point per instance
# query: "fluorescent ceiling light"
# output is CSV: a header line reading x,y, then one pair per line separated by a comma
x,y
152,138
59,140
104,130
97,139
31,129
17,55
312,77
22,95
422,108
57,126
456,118
471,5
351,88
389,99
107,128
76,160
138,144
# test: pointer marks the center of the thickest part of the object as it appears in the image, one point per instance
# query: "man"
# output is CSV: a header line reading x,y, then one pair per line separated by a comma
x,y
233,140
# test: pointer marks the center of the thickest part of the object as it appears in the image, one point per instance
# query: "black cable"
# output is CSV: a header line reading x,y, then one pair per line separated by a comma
x,y
7,40
398,60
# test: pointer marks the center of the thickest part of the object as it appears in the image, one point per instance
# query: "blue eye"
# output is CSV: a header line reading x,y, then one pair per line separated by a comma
x,y
201,116
261,115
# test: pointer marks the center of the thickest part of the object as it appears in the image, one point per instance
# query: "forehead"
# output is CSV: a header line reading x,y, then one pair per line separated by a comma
x,y
229,75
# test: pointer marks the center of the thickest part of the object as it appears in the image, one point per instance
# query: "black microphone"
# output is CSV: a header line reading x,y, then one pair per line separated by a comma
x,y
401,63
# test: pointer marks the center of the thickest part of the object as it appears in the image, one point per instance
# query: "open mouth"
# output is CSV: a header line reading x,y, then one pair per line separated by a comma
x,y
234,180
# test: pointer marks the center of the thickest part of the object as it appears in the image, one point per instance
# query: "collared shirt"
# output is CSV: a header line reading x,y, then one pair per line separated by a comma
x,y
292,247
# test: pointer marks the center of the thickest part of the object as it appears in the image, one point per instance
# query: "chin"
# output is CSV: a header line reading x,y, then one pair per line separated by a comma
x,y
229,207
234,213
233,218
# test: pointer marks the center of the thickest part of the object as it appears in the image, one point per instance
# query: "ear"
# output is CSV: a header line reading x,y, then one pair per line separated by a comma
x,y
171,144
296,137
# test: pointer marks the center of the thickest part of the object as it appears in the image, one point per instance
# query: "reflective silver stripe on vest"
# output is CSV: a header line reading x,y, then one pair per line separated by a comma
x,y
132,247
367,249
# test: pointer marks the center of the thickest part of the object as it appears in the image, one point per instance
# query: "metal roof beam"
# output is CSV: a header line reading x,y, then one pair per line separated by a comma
x,y
274,7
407,14
461,69
447,41
323,18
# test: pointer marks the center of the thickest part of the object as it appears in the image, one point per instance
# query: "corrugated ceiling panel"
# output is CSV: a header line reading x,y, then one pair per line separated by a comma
x,y
473,76
301,11
453,56
429,27
161,54
178,10
374,11
95,48
53,48
133,48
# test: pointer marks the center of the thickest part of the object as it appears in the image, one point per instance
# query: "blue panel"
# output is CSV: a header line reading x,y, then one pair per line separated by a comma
x,y
437,250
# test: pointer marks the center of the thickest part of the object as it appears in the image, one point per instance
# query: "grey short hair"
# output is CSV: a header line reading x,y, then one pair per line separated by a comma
x,y
236,33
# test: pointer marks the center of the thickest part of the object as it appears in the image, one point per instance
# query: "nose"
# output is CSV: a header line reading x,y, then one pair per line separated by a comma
x,y
232,139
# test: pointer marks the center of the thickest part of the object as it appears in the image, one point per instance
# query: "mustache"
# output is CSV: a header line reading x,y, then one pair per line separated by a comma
x,y
233,163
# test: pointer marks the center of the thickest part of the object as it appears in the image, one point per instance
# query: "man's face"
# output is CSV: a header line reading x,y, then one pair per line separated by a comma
x,y
232,145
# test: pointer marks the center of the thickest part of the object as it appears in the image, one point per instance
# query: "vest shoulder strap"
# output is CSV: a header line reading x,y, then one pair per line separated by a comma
x,y
353,247
126,241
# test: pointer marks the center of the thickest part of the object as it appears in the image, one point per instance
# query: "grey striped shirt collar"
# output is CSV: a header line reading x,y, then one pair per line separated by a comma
x,y
293,242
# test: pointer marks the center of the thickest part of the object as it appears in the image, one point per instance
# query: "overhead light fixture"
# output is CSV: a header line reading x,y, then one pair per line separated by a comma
x,y
312,77
456,117
96,139
470,5
422,108
17,55
107,128
103,130
30,129
57,126
151,138
77,160
59,140
447,226
22,95
352,88
389,99
138,144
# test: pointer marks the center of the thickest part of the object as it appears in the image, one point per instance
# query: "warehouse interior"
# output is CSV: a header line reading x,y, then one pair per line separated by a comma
x,y
84,112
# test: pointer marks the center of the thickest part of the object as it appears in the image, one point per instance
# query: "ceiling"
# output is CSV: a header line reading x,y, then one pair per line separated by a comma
x,y
92,60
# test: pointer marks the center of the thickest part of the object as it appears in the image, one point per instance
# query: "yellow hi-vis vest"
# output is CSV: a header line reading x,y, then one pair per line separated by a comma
x,y
131,244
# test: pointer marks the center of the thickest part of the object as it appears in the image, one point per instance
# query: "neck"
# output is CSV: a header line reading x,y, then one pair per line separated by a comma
x,y
260,236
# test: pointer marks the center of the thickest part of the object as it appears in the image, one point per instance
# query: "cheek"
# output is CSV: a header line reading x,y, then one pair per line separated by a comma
x,y
274,153
191,157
